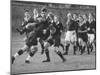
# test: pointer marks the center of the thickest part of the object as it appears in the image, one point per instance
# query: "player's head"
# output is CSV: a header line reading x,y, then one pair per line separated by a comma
x,y
50,16
56,19
69,16
43,11
85,17
90,17
75,16
27,13
35,13
94,16
81,19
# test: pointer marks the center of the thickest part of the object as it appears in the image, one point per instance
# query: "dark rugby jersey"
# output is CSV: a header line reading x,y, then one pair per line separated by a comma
x,y
92,27
73,25
39,30
83,34
45,36
58,28
83,27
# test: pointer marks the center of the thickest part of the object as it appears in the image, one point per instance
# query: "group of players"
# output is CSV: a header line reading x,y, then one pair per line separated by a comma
x,y
81,32
46,29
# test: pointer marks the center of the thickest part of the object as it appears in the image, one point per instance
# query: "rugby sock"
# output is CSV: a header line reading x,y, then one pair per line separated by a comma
x,y
12,59
20,52
75,47
42,48
61,56
66,49
47,55
62,46
83,49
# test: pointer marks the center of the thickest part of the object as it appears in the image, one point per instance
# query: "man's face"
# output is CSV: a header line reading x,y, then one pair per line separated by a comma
x,y
69,16
85,18
80,19
44,31
90,17
43,14
74,16
55,19
35,12
27,14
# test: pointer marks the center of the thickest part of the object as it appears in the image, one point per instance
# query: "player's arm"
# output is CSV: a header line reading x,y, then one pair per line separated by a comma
x,y
61,27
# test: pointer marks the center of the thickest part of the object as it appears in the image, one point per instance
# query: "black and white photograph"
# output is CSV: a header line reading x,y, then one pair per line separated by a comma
x,y
52,37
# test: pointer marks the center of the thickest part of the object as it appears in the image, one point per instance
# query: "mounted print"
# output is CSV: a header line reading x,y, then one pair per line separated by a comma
x,y
52,37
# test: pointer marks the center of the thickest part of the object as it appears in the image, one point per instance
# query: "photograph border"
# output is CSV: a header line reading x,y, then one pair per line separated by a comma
x,y
49,3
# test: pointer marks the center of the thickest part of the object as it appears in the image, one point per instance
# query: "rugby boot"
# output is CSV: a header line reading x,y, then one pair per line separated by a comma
x,y
27,61
12,59
48,60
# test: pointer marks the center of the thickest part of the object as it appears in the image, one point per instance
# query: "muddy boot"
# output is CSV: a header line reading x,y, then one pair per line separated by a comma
x,y
12,59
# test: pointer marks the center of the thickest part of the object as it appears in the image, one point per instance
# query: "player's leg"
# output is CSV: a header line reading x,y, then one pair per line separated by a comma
x,y
75,48
75,43
33,48
59,54
42,45
83,49
62,46
66,48
32,52
67,42
20,52
92,41
46,51
89,43
57,42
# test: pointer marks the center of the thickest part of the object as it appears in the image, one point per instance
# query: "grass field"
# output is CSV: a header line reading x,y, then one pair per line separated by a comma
x,y
74,62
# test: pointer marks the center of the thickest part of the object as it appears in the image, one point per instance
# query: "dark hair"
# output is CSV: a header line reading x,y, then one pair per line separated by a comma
x,y
75,14
26,10
44,9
